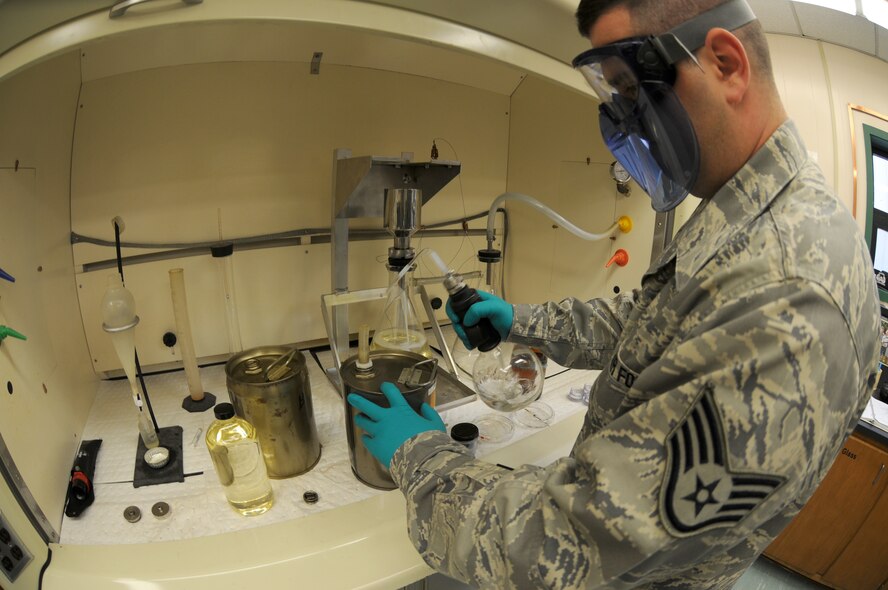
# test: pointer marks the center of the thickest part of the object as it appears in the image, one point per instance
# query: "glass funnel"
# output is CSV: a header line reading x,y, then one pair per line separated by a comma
x,y
398,327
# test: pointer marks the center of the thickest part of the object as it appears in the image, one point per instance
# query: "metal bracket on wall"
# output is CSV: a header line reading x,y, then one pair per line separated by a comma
x,y
23,496
663,228
316,62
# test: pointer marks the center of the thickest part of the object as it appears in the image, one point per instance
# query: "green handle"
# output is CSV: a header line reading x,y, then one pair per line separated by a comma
x,y
7,331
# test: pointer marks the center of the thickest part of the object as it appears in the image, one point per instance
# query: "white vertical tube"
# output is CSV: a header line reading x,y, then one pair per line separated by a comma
x,y
183,328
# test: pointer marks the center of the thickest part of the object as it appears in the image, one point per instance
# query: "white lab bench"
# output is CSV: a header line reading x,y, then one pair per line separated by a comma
x,y
354,537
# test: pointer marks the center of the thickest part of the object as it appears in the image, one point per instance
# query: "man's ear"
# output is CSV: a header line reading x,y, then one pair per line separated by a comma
x,y
726,55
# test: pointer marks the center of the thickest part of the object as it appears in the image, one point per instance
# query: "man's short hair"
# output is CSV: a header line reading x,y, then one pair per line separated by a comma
x,y
652,17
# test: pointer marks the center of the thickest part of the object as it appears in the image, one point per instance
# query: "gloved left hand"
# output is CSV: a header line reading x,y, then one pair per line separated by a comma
x,y
389,428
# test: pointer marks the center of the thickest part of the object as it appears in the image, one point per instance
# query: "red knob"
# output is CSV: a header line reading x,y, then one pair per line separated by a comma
x,y
621,257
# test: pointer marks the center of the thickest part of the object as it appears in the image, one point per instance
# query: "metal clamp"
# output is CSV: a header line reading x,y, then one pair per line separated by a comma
x,y
120,8
124,328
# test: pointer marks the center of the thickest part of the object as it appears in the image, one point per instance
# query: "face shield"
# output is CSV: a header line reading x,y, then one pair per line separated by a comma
x,y
642,121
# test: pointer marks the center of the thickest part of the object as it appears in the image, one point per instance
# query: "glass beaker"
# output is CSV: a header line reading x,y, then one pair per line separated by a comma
x,y
399,327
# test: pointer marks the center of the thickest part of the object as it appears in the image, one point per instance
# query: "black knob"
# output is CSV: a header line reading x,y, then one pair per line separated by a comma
x,y
169,339
436,303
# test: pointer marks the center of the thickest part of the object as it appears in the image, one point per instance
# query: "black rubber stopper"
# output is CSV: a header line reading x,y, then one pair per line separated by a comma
x,y
398,263
222,250
489,255
208,401
464,432
169,339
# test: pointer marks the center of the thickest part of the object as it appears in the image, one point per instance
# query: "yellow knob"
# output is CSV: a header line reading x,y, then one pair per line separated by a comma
x,y
625,224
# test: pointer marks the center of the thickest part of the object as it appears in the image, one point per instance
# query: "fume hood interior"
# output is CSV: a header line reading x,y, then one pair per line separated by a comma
x,y
198,130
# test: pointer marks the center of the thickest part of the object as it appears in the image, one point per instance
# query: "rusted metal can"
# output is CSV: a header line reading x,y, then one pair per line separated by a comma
x,y
279,408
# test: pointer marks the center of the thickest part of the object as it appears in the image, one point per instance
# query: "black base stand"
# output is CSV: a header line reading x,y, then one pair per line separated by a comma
x,y
171,438
203,405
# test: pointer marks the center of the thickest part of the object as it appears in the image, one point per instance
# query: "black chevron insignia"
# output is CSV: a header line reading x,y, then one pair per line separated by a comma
x,y
700,491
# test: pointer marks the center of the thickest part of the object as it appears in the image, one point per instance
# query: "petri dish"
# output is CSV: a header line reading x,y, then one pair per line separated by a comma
x,y
494,429
536,415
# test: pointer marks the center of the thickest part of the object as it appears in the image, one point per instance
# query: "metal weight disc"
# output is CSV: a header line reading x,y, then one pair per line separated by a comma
x,y
161,510
132,514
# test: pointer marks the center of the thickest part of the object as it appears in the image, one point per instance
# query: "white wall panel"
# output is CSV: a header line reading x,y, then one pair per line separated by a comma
x,y
803,85
196,152
553,133
860,80
53,382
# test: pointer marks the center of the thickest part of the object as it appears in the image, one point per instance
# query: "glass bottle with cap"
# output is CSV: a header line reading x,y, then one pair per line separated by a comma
x,y
466,434
238,460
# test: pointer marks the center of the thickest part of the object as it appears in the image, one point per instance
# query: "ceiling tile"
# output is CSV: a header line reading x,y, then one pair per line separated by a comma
x,y
776,16
837,27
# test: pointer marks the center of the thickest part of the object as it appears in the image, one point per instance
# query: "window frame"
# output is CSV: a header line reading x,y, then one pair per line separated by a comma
x,y
878,138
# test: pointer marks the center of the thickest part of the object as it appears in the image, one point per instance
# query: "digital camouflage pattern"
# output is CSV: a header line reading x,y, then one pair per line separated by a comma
x,y
729,383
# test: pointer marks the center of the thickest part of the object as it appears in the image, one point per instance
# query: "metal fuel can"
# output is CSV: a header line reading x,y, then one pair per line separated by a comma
x,y
413,374
270,389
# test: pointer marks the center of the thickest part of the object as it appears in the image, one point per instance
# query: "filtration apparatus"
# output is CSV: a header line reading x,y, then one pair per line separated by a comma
x,y
393,188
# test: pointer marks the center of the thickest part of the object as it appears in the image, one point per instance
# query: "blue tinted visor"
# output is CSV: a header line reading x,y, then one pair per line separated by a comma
x,y
652,137
642,121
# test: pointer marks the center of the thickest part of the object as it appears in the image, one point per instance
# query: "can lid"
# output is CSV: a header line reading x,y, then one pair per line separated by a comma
x,y
251,366
388,365
223,411
464,432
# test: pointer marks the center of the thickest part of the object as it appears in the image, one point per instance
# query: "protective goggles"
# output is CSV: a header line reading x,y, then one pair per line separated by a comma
x,y
642,121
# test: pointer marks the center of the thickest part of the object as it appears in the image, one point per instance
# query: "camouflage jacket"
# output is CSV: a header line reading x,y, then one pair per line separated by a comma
x,y
730,380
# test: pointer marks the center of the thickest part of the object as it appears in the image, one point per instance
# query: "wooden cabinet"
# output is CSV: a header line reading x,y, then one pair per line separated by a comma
x,y
835,539
864,562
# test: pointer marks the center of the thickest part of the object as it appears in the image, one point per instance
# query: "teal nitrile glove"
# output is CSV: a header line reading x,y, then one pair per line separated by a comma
x,y
389,428
491,307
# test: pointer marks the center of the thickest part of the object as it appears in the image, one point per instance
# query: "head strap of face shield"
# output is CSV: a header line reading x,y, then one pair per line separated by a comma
x,y
681,41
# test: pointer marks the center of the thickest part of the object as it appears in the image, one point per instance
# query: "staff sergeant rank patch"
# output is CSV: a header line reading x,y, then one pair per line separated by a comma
x,y
700,491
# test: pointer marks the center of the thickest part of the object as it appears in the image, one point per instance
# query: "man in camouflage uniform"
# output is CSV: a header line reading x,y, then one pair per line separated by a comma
x,y
730,378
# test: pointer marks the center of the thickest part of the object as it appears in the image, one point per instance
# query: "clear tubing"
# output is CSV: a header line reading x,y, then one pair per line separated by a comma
x,y
559,219
493,281
364,348
439,262
186,340
231,318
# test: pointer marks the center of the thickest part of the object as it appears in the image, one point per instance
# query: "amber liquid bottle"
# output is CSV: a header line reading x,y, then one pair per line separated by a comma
x,y
239,463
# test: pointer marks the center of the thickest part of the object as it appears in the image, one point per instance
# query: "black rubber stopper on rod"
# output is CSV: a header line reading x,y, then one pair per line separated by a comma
x,y
222,250
489,255
208,401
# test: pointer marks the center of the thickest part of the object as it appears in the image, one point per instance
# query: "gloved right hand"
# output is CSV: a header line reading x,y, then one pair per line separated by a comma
x,y
491,307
